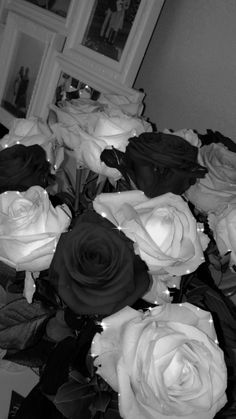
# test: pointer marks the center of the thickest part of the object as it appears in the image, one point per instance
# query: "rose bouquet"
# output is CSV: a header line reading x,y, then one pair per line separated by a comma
x,y
129,303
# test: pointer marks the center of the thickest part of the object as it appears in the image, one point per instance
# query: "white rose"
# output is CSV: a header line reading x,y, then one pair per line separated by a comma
x,y
76,111
159,292
219,184
30,228
127,104
85,151
223,226
163,364
89,133
163,229
187,134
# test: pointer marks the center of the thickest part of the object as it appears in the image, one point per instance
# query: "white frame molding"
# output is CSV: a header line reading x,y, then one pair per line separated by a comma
x,y
62,64
47,18
123,71
3,10
15,25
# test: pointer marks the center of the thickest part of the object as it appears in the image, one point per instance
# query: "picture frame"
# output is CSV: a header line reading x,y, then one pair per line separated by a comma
x,y
51,76
112,36
52,17
59,7
3,17
3,11
26,48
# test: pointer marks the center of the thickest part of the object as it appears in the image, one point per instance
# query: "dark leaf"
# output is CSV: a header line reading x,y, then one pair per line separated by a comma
x,y
37,406
22,324
7,274
53,377
45,291
112,157
102,401
33,357
77,376
73,399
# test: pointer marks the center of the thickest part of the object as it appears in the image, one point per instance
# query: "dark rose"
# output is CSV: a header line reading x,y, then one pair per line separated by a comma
x,y
22,167
95,270
159,163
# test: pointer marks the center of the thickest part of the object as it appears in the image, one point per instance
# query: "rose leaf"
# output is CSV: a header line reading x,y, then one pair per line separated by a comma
x,y
73,399
22,324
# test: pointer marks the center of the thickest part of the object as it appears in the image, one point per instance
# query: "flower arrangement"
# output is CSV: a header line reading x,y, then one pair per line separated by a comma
x,y
117,280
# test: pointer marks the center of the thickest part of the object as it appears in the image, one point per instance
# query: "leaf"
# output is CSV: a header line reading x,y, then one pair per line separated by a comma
x,y
102,401
22,324
53,377
77,376
76,399
3,296
33,357
7,274
73,399
37,406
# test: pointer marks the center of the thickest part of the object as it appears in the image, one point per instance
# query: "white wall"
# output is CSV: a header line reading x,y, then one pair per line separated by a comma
x,y
189,70
2,27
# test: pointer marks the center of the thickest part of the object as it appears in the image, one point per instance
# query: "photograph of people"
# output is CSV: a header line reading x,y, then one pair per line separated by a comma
x,y
109,26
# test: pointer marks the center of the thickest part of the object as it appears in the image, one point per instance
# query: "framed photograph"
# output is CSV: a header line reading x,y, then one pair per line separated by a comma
x,y
113,35
55,14
66,79
25,49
